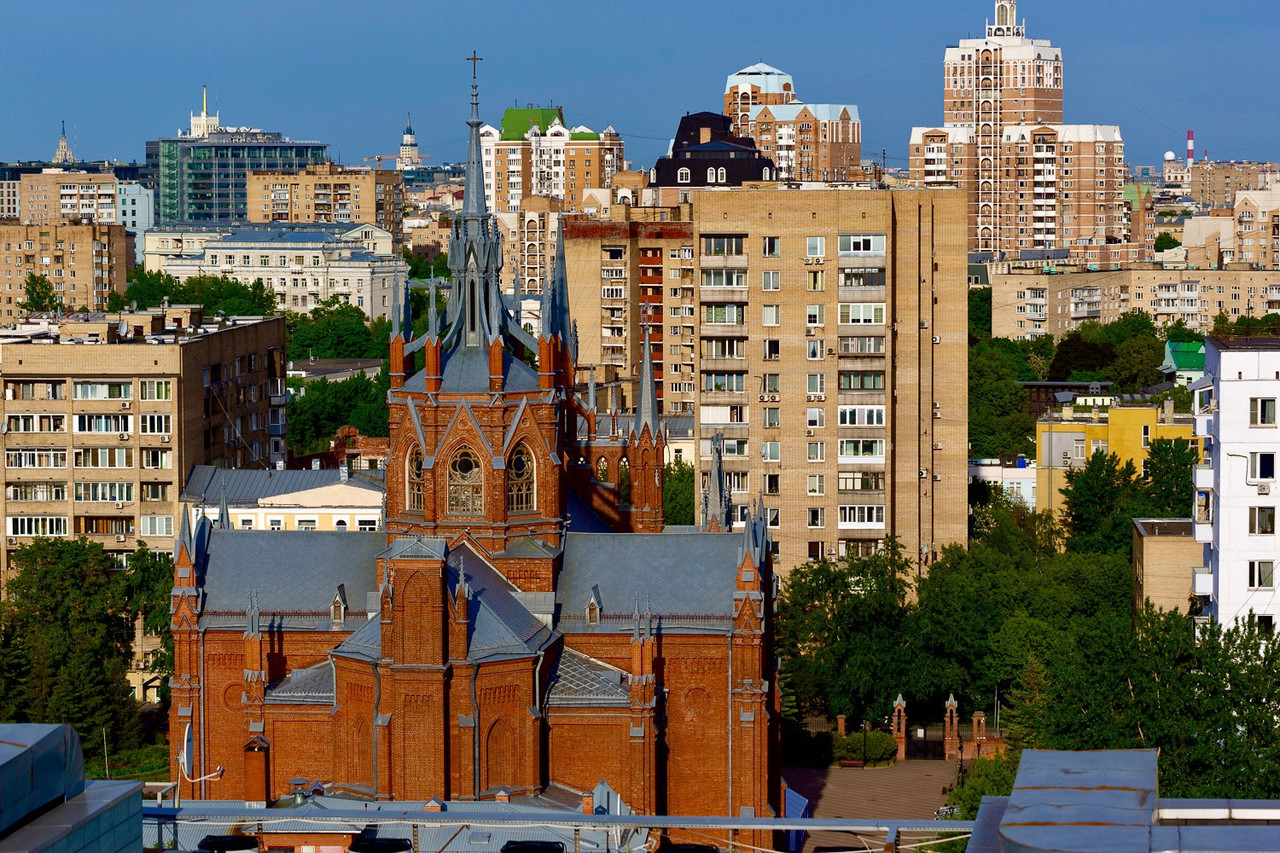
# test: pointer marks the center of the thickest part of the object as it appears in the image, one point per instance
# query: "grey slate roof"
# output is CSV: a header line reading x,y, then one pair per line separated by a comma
x,y
501,627
365,643
247,486
292,571
675,574
466,370
313,685
577,680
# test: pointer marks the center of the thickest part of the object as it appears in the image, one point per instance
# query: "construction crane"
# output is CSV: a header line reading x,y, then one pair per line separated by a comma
x,y
378,158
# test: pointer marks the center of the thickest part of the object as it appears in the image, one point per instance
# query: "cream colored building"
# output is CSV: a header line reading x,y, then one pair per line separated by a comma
x,y
329,499
105,413
85,262
830,351
1166,557
329,193
534,153
56,195
1028,303
1215,184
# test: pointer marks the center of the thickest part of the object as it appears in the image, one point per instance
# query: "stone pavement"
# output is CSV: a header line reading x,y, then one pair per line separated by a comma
x,y
908,789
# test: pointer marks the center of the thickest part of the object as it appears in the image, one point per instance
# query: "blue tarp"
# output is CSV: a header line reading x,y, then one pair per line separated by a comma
x,y
795,805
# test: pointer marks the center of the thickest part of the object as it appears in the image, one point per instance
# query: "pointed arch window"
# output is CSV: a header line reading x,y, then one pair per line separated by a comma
x,y
521,494
413,480
466,485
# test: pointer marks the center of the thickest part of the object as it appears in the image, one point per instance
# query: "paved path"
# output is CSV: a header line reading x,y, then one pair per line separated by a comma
x,y
908,789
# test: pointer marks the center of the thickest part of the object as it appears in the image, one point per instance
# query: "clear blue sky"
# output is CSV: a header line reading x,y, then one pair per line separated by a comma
x,y
346,73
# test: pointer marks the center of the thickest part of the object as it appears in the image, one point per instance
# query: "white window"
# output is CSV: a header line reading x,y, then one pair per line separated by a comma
x,y
1262,466
1262,520
817,451
772,247
861,313
306,524
104,492
1261,574
861,448
37,525
817,517
157,389
1146,435
104,423
366,525
815,315
815,246
769,451
154,424
157,459
771,416
817,484
771,280
36,457
771,315
816,383
682,176
102,390
724,278
816,417
861,244
853,517
1262,411
157,525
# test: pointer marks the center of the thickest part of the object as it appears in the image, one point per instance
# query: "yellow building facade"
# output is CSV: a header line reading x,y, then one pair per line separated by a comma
x,y
1065,440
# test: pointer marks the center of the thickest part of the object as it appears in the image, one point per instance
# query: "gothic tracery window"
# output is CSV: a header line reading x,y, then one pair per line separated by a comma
x,y
466,485
520,482
413,480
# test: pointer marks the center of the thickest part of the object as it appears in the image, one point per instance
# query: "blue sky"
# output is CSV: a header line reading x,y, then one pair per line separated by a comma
x,y
346,73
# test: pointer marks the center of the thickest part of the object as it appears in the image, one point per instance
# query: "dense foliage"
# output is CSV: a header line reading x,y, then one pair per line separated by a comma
x,y
677,492
39,294
422,269
337,330
214,292
314,416
66,632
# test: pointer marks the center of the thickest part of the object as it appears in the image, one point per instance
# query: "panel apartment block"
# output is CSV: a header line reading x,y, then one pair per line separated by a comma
x,y
83,262
831,354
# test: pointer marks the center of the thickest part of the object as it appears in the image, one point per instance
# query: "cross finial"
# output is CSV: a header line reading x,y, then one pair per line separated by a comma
x,y
473,59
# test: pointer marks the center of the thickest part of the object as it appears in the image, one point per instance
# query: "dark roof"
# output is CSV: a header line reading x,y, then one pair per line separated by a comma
x,y
293,572
687,580
247,486
578,680
312,685
501,626
364,644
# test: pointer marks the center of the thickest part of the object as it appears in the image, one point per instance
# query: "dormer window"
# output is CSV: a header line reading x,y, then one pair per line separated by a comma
x,y
338,610
593,613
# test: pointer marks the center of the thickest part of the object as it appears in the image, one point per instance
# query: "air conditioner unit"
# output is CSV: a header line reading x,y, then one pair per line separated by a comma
x,y
119,504
809,398
773,398
164,439
937,416
937,339
937,478
126,404
924,473
818,260
808,260
13,540
762,398
1264,488
810,331
924,324
937,405
124,436
809,433
831,350
831,552
119,537
937,445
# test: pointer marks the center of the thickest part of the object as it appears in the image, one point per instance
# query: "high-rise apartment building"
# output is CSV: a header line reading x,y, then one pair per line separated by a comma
x,y
104,415
329,193
55,195
1214,184
807,142
201,175
830,354
1235,489
534,153
84,262
1033,182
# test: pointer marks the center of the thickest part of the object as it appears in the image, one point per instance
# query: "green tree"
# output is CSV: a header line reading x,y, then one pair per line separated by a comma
x,y
67,631
985,777
40,295
979,313
841,627
1169,478
335,330
997,422
1166,241
677,492
1178,332
1099,503
314,416
1137,364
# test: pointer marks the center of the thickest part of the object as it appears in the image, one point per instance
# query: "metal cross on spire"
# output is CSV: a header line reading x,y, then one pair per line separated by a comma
x,y
473,59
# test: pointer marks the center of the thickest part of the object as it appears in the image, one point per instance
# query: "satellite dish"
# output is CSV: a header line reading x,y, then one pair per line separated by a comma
x,y
187,755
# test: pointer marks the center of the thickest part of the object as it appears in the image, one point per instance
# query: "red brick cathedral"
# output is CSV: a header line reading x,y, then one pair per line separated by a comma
x,y
518,624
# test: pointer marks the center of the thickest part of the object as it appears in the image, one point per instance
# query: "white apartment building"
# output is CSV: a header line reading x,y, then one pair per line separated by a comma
x,y
56,195
136,213
1236,491
304,267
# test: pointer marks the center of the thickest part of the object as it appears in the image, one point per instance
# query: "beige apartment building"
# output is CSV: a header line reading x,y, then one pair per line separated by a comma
x,y
1244,235
628,276
105,413
85,262
57,195
830,354
534,153
807,142
1029,303
329,193
1215,184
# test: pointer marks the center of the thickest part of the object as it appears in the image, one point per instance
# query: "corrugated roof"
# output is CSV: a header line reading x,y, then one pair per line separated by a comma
x,y
821,112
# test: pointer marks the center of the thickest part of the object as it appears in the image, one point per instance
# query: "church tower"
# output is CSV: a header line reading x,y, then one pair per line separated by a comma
x,y
478,433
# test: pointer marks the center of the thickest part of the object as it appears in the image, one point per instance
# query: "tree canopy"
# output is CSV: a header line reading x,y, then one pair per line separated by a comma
x,y
214,292
678,492
40,295
998,422
337,330
316,415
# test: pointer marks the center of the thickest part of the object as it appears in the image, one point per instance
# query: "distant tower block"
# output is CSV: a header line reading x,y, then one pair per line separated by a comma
x,y
409,157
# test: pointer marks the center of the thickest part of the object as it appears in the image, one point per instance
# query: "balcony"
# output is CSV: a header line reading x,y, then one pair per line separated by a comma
x,y
723,364
1202,581
1203,476
724,262
721,295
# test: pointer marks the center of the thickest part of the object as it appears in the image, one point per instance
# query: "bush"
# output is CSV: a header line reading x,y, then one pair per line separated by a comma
x,y
880,746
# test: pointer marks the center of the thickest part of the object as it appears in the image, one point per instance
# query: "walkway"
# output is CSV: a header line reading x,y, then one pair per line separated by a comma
x,y
908,789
